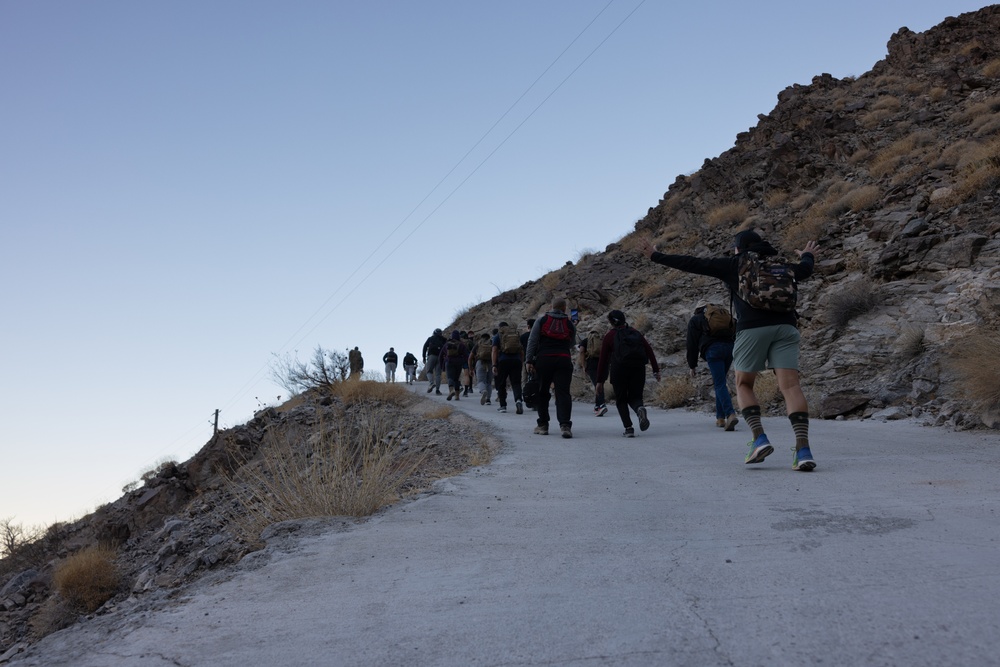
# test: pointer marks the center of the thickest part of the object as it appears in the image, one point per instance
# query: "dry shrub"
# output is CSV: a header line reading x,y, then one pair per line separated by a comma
x,y
802,202
905,149
393,393
443,412
727,214
640,321
351,468
937,93
915,88
765,387
851,300
53,614
987,107
910,342
887,103
803,230
992,69
952,154
674,391
88,578
777,199
551,280
978,169
874,118
888,82
986,126
481,453
652,290
861,198
977,377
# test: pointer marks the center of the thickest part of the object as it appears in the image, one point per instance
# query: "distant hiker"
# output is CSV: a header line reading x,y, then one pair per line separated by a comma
x,y
454,356
766,333
410,366
549,358
468,368
524,336
432,367
390,359
624,355
710,334
508,356
481,359
357,363
590,356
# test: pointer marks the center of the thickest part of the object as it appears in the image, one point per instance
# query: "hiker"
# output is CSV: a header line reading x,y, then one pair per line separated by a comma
x,y
590,356
468,367
508,356
766,335
432,367
357,363
410,366
624,355
710,334
390,359
481,359
454,355
550,360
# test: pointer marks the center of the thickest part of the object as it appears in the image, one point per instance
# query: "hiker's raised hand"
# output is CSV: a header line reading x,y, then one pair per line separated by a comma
x,y
647,247
811,247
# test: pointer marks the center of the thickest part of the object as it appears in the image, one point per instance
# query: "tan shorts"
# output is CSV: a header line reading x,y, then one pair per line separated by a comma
x,y
776,346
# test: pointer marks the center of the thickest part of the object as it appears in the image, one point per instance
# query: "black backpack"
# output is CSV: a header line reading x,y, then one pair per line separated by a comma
x,y
529,391
629,349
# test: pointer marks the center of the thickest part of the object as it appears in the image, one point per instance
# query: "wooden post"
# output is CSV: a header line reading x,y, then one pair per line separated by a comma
x,y
215,428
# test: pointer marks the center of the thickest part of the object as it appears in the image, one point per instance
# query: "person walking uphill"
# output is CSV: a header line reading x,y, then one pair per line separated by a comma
x,y
390,359
624,355
550,359
431,353
508,355
710,334
410,366
454,357
356,362
763,290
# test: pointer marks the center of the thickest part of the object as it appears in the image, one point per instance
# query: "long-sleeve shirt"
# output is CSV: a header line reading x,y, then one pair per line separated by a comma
x,y
540,345
726,269
607,352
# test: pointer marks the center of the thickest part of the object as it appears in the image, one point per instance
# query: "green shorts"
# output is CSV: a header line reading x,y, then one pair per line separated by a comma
x,y
776,346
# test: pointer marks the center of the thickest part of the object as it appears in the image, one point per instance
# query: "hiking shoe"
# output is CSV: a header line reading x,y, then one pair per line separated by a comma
x,y
720,422
643,419
542,429
803,460
502,408
438,392
760,449
519,408
458,394
567,432
451,395
489,402
600,411
430,389
731,422
482,398
629,432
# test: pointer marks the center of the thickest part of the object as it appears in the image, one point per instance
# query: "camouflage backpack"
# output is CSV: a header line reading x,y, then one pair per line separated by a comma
x,y
767,283
510,341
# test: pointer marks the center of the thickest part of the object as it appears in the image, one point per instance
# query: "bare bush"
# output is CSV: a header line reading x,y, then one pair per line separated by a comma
x,y
765,387
728,214
910,342
674,391
325,369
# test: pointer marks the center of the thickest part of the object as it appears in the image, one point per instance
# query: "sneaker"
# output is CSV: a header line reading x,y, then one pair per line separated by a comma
x,y
502,408
437,392
760,449
482,398
489,402
803,460
430,389
629,432
643,419
519,408
720,422
731,422
600,411
451,394
542,430
567,432
458,394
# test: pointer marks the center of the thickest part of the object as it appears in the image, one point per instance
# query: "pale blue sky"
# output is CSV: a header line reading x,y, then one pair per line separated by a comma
x,y
189,187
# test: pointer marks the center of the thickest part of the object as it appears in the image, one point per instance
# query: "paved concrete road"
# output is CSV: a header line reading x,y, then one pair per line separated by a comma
x,y
661,550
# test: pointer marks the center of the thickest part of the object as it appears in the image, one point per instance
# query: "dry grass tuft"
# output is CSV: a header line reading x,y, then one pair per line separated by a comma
x,y
978,380
481,453
675,391
902,150
910,342
88,578
875,117
803,230
640,322
888,103
351,468
765,387
443,412
393,393
852,300
992,69
727,214
978,169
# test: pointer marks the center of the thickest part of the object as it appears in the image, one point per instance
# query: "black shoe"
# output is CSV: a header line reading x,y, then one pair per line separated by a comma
x,y
629,432
430,389
643,420
438,392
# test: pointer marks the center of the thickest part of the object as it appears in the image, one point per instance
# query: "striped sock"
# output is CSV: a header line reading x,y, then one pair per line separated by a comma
x,y
751,415
800,424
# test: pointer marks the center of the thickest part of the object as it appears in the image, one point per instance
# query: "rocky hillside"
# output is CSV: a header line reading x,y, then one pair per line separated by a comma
x,y
896,174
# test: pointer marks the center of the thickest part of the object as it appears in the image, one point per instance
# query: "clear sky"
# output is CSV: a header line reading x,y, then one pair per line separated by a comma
x,y
189,188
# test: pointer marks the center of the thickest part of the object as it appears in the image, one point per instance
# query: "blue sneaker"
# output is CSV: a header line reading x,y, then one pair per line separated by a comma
x,y
760,449
803,460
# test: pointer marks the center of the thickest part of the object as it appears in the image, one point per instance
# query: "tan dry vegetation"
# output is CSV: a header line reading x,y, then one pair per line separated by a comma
x,y
977,170
887,103
987,107
873,118
979,382
350,468
909,148
442,412
991,69
803,230
776,199
727,214
765,387
910,342
640,322
802,202
937,93
88,578
985,126
674,391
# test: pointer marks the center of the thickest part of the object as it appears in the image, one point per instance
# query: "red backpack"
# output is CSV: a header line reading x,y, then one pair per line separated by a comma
x,y
556,328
